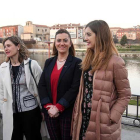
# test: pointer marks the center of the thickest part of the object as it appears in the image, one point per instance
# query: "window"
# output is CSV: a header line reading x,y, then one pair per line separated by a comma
x,y
38,29
45,30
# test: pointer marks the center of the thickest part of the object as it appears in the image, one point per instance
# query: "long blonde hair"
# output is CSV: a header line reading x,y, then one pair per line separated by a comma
x,y
104,47
23,51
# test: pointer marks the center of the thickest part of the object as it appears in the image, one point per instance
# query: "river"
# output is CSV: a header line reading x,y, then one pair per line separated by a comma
x,y
132,65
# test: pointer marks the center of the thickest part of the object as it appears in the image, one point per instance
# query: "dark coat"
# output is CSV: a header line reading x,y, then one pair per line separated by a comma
x,y
68,83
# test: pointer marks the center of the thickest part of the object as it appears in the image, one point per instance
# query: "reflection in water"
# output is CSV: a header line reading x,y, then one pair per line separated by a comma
x,y
132,65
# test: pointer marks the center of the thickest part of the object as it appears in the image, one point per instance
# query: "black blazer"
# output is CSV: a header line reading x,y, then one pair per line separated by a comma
x,y
68,83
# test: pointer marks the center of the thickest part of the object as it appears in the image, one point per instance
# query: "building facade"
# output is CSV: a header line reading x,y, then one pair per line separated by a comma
x,y
138,34
1,33
130,33
6,31
75,30
114,30
36,32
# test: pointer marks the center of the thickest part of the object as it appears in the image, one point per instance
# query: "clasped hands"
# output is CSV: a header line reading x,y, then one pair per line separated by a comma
x,y
53,111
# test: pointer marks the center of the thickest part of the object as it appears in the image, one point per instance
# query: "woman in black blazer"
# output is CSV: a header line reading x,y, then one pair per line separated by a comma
x,y
59,85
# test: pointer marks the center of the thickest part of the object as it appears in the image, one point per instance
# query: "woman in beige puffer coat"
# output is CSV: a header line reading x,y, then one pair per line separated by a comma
x,y
104,90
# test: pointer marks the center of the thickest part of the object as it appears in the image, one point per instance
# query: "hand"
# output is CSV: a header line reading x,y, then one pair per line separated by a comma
x,y
47,108
53,111
56,115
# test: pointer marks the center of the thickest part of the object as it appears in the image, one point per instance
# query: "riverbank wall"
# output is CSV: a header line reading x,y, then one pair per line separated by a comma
x,y
42,45
80,53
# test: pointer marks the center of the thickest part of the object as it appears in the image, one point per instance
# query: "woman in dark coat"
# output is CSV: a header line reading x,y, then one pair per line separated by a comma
x,y
58,86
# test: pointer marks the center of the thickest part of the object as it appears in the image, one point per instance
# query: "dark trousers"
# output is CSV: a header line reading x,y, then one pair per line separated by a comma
x,y
27,123
59,128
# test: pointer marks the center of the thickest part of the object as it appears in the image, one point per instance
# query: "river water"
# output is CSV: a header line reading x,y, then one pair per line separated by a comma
x,y
132,65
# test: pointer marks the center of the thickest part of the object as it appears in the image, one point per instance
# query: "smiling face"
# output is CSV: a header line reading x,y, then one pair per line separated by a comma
x,y
90,38
62,43
11,49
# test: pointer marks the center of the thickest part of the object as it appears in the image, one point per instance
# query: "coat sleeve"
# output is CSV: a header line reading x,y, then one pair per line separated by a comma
x,y
123,90
70,96
44,98
1,92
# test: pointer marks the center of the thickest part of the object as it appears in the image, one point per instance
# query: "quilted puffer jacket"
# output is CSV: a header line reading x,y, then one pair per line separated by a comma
x,y
111,94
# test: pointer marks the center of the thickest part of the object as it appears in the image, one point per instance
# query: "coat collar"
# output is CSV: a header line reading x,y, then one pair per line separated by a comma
x,y
26,61
5,64
7,78
27,72
65,68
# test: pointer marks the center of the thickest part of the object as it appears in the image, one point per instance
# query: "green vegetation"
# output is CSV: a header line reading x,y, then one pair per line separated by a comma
x,y
115,39
128,49
133,102
123,40
123,49
135,47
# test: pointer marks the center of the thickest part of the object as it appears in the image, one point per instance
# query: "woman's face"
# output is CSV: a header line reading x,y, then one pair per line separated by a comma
x,y
62,43
10,49
90,38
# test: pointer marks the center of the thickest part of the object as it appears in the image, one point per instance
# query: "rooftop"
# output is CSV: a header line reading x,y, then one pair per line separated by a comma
x,y
66,25
10,26
41,25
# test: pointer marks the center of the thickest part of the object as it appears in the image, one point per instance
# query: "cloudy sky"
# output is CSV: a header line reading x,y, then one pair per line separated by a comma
x,y
117,13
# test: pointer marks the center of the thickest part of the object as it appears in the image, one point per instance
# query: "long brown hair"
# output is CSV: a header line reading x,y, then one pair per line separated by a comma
x,y
23,51
71,49
104,47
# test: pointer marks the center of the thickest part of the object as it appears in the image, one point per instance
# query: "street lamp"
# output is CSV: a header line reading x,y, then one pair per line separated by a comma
x,y
48,42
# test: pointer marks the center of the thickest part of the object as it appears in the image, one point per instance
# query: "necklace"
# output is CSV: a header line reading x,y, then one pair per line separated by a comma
x,y
61,61
15,63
